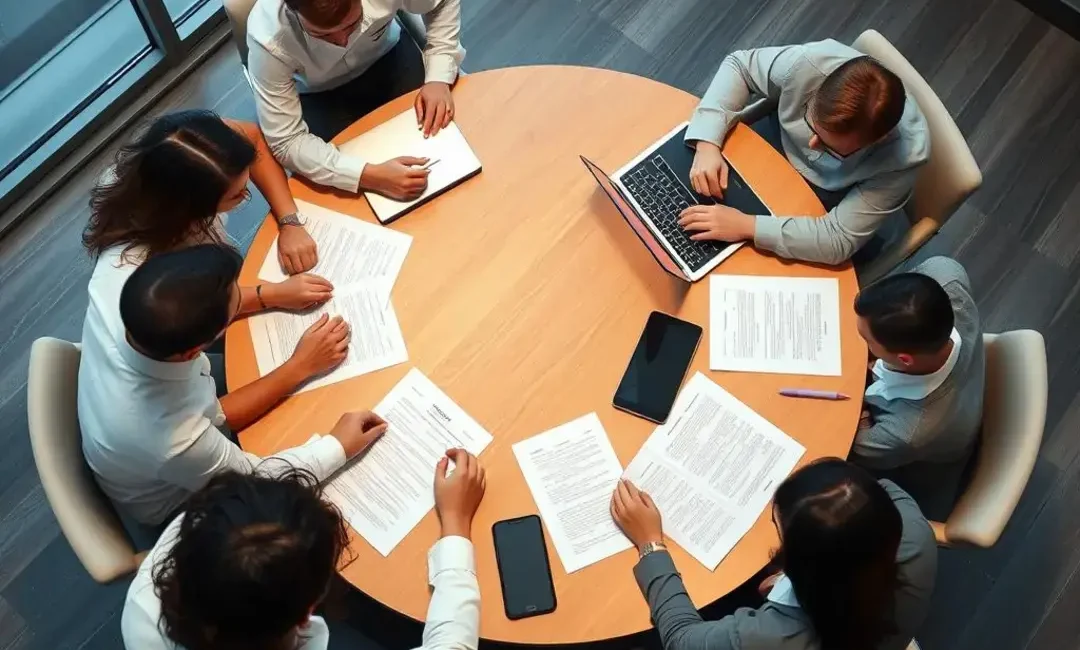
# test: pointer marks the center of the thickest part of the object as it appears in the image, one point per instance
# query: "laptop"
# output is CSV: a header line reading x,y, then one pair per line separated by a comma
x,y
653,189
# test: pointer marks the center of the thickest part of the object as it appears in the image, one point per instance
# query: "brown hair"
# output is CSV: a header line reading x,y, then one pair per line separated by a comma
x,y
861,96
322,13
164,188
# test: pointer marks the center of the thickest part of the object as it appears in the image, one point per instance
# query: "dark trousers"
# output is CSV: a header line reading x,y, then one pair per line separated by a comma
x,y
399,71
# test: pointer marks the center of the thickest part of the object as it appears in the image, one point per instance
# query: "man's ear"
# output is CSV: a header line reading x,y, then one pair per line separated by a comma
x,y
905,359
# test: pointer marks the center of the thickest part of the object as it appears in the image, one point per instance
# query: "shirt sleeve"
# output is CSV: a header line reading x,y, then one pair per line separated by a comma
x,y
834,238
945,271
884,445
277,102
212,453
743,74
673,613
453,616
443,53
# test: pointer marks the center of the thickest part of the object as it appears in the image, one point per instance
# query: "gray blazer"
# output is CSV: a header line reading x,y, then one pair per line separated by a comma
x,y
780,627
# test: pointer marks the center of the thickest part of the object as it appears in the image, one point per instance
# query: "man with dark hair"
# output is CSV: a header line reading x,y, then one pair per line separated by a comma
x,y
148,405
318,65
843,121
924,407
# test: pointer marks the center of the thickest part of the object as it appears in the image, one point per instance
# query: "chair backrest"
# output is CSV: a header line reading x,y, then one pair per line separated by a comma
x,y
237,11
1014,414
951,174
86,516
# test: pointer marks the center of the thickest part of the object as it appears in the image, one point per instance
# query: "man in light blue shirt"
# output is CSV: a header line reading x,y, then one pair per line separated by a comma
x,y
845,123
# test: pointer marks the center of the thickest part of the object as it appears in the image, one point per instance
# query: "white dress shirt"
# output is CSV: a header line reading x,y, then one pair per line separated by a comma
x,y
453,618
284,61
149,428
893,384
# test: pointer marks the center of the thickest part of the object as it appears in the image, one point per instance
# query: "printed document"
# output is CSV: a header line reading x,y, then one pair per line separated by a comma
x,y
450,158
712,469
388,490
572,471
774,324
351,251
376,342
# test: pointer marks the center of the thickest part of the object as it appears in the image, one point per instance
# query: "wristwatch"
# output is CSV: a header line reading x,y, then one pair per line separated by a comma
x,y
651,547
291,220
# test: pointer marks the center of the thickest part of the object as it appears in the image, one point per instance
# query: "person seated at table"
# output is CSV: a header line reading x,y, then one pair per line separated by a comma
x,y
147,403
857,557
252,558
924,407
174,185
316,66
843,121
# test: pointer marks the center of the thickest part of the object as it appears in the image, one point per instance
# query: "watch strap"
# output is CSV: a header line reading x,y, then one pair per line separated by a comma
x,y
651,547
291,220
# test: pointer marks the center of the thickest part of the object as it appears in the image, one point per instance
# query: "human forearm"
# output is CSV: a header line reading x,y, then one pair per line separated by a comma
x,y
672,612
741,75
453,617
443,52
269,176
248,404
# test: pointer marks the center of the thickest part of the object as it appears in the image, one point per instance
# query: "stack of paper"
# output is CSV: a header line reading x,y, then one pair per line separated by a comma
x,y
776,325
385,493
712,469
362,261
572,472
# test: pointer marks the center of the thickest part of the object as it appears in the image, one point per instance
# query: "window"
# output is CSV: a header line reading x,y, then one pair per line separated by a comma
x,y
61,60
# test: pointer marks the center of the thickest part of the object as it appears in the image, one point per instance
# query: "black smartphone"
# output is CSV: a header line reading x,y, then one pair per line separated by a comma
x,y
658,366
524,570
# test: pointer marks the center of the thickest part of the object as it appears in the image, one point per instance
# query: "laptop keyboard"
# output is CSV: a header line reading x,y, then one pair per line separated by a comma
x,y
663,197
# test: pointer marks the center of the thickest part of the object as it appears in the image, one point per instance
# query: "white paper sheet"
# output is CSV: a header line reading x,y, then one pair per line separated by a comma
x,y
351,251
774,324
376,336
399,136
572,471
385,493
712,469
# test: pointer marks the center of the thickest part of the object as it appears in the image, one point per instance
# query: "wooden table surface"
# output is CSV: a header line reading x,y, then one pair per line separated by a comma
x,y
523,296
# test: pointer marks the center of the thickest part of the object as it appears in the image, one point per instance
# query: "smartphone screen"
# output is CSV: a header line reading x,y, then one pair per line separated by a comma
x,y
658,366
523,567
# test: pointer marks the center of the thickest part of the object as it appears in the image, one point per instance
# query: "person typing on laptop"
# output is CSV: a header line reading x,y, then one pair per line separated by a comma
x,y
318,65
843,121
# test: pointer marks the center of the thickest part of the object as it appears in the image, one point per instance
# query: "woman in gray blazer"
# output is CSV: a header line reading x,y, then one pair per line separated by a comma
x,y
857,561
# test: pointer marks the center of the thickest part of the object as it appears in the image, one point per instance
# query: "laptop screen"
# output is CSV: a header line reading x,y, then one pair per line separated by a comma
x,y
628,213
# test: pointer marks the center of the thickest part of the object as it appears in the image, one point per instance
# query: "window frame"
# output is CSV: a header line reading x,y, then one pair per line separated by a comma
x,y
171,43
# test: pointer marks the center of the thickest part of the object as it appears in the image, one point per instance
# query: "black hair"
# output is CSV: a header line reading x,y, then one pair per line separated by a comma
x,y
907,312
839,534
166,185
178,301
254,555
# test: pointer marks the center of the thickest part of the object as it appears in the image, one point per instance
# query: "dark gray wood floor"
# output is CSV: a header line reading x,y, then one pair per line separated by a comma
x,y
1009,78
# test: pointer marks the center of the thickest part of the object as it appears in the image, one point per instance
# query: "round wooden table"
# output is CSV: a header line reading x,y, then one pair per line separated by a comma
x,y
523,296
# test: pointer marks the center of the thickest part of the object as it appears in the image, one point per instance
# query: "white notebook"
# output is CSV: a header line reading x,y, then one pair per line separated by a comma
x,y
400,136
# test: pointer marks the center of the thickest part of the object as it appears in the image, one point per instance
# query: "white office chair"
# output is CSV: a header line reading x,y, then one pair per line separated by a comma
x,y
944,182
1014,414
86,516
238,10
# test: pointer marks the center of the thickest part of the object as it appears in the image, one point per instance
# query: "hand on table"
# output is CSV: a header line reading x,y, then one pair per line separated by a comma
x,y
434,107
357,431
322,347
709,173
636,514
296,249
298,292
458,496
401,178
717,222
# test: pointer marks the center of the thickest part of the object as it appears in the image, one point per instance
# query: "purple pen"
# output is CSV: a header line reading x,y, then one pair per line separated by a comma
x,y
813,394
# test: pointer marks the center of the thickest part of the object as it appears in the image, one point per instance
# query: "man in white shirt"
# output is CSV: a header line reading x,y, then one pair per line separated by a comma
x,y
148,405
260,555
318,65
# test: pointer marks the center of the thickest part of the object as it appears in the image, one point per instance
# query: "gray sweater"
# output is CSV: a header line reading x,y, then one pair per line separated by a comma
x,y
880,177
781,627
942,427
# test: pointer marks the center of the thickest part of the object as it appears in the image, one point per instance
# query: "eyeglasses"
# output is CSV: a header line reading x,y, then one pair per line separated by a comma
x,y
826,148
